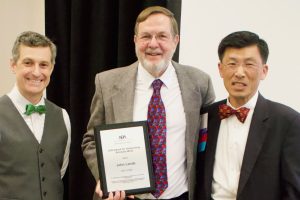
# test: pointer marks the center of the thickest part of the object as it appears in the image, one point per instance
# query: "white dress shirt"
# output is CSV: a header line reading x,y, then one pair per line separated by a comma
x,y
176,126
35,122
230,152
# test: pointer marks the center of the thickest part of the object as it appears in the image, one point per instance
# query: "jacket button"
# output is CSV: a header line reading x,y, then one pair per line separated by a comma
x,y
44,193
43,178
41,150
42,164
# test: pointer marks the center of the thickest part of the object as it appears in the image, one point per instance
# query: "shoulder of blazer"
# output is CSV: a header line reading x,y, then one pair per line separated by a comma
x,y
119,71
272,108
190,71
213,106
118,77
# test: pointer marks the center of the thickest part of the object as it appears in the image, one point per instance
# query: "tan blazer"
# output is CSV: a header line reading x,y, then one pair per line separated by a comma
x,y
113,103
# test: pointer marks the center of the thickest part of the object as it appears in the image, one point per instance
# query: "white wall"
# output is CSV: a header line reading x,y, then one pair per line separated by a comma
x,y
205,23
16,16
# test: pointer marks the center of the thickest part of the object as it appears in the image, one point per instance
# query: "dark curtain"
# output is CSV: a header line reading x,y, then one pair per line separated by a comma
x,y
91,36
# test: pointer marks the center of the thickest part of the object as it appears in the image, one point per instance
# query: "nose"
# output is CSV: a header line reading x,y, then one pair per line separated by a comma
x,y
153,42
36,70
240,71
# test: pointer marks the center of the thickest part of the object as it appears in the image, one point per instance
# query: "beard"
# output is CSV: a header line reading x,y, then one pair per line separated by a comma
x,y
154,68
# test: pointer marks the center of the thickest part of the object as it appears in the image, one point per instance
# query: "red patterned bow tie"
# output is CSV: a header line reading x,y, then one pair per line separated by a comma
x,y
226,111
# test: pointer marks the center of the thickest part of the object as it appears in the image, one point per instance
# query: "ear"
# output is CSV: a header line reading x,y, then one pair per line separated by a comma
x,y
220,67
134,38
176,39
13,66
264,73
52,68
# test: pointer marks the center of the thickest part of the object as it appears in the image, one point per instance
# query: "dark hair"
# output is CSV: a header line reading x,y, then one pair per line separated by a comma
x,y
33,39
242,39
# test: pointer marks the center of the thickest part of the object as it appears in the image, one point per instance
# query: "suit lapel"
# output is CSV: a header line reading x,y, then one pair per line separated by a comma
x,y
191,104
123,95
212,138
256,137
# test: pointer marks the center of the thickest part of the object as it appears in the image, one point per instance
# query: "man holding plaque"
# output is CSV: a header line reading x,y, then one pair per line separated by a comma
x,y
166,94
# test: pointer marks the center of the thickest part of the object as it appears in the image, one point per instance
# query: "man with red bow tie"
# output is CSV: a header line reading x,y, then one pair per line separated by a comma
x,y
253,144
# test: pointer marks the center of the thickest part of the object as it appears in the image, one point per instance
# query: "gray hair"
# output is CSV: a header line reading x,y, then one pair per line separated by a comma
x,y
33,39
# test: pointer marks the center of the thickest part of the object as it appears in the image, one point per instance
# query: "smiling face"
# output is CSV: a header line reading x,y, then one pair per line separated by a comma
x,y
242,69
155,44
33,70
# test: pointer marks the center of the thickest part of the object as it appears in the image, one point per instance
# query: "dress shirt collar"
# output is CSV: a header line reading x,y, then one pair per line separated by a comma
x,y
144,76
20,101
250,104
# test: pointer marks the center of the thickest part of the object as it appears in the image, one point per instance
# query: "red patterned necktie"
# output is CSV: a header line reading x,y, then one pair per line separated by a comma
x,y
157,131
226,111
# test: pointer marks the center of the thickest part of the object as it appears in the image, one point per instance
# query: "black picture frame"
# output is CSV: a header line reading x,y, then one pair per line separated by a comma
x,y
103,160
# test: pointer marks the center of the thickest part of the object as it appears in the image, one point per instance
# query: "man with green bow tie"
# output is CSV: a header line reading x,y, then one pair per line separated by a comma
x,y
34,132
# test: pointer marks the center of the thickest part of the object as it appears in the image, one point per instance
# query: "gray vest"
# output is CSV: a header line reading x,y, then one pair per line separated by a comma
x,y
29,170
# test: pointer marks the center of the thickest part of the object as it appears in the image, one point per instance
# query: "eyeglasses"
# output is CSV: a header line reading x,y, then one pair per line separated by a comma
x,y
161,37
246,66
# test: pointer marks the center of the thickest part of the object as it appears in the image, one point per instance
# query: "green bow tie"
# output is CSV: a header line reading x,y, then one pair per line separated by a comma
x,y
31,109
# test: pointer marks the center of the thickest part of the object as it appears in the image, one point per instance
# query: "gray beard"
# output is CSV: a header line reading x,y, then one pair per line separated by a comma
x,y
155,68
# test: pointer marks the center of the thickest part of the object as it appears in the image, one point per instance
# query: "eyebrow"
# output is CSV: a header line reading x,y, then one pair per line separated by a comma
x,y
246,59
250,59
161,32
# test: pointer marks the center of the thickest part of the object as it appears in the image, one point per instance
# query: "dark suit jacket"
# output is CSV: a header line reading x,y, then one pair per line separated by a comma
x,y
271,164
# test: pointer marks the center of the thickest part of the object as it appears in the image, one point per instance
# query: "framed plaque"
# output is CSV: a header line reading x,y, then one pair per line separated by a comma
x,y
124,158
